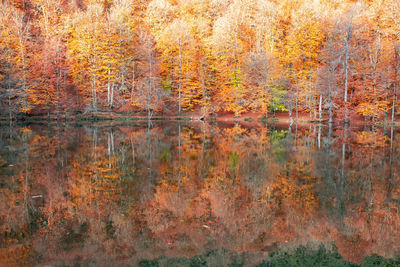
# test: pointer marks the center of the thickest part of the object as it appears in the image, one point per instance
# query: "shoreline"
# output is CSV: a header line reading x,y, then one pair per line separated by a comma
x,y
246,118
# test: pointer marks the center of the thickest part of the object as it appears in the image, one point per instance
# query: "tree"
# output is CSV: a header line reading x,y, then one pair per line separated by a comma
x,y
149,94
84,52
231,46
49,70
347,36
176,37
13,43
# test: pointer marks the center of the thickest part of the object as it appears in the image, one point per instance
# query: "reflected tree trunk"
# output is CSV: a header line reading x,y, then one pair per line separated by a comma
x,y
26,186
179,156
390,183
328,165
342,177
109,150
109,86
319,137
133,153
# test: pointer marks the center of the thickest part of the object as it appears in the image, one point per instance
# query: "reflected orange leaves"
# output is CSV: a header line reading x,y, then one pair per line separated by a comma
x,y
133,193
16,255
370,140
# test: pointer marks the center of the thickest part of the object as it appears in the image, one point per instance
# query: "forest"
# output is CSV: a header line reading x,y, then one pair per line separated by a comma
x,y
329,59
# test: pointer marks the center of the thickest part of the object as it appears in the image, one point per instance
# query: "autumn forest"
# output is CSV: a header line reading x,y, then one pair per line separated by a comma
x,y
328,59
162,133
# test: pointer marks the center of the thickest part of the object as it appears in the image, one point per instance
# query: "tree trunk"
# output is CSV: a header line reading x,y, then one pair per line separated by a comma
x,y
58,78
133,83
346,72
330,85
395,83
108,87
297,108
320,107
342,175
133,153
290,116
314,109
391,174
112,95
109,151
94,93
319,136
9,107
149,87
180,78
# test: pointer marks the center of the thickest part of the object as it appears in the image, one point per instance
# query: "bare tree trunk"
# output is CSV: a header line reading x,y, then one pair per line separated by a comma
x,y
108,86
94,93
148,93
375,61
313,108
58,78
395,82
330,87
112,95
180,78
346,71
133,83
320,107
393,102
204,100
297,108
9,101
290,116
345,88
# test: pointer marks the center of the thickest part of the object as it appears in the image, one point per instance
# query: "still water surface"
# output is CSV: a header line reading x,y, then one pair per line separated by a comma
x,y
197,194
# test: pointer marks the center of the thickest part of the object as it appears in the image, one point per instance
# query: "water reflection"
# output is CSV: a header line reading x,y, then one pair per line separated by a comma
x,y
112,195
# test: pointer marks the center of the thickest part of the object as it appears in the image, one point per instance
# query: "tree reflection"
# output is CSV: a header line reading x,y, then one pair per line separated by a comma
x,y
114,195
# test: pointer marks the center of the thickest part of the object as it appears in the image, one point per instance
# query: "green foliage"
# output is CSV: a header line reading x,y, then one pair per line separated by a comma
x,y
165,154
236,79
277,136
305,257
279,146
233,161
376,260
300,257
147,263
166,84
277,100
219,257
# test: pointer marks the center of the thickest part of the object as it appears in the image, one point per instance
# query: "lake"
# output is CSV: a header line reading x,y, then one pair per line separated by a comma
x,y
199,194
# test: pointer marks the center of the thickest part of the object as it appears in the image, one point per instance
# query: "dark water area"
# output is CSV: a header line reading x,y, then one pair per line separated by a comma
x,y
198,194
